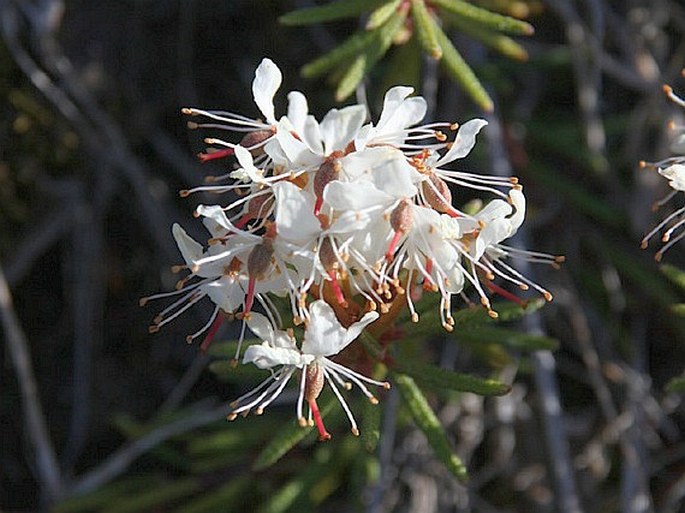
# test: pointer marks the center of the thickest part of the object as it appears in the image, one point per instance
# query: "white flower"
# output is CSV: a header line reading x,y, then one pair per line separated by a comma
x,y
324,337
673,169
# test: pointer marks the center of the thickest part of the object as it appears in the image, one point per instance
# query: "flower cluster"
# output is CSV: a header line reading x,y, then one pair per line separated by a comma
x,y
348,221
673,169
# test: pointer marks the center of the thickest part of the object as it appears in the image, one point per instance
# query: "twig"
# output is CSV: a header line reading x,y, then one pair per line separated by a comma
x,y
543,361
118,462
46,463
184,385
52,228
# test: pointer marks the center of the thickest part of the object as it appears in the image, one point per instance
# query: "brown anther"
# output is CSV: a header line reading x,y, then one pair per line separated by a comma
x,y
667,89
560,259
440,136
153,329
437,193
143,301
302,422
523,286
644,244
548,297
493,314
192,125
448,327
189,339
188,112
234,363
373,400
231,416
184,193
642,164
355,431
514,180
454,126
414,317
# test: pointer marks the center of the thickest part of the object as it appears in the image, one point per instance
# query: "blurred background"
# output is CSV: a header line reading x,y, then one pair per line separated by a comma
x,y
98,415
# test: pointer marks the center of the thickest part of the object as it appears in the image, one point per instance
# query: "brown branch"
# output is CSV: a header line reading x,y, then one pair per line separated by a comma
x,y
37,431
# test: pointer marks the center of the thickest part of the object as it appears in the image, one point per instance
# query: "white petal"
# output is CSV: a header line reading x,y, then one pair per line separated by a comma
x,y
324,335
345,196
297,109
261,327
189,248
355,330
398,112
265,356
226,292
295,220
675,175
340,127
298,153
266,82
246,162
464,142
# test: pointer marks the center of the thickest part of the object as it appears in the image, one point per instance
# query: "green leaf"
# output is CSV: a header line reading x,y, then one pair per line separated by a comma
x,y
370,428
678,309
506,337
287,438
216,499
426,29
676,384
445,379
455,65
350,48
152,498
498,42
227,348
471,13
428,422
352,77
382,14
109,493
382,39
674,274
329,12
225,371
